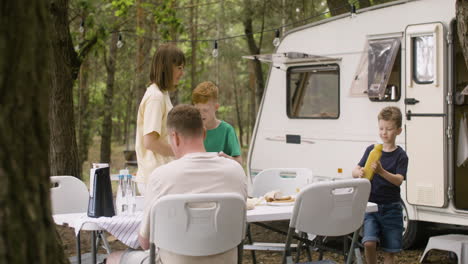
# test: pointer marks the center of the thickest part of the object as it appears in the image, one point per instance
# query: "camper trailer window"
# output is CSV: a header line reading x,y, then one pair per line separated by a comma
x,y
423,60
313,91
378,75
381,55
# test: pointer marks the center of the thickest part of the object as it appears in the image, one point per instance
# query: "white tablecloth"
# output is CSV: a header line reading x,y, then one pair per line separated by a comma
x,y
125,227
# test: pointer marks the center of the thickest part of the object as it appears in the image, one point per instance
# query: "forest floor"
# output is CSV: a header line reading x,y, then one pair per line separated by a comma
x,y
258,233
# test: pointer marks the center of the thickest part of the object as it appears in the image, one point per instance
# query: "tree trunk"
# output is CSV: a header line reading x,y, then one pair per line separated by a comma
x,y
106,133
338,7
65,66
143,49
462,26
193,43
254,49
27,230
230,62
84,119
140,86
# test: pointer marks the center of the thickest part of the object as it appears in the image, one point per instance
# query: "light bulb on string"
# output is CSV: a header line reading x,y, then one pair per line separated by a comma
x,y
276,40
215,51
353,11
81,28
120,42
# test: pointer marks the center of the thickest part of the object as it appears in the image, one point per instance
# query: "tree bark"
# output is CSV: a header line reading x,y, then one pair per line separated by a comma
x,y
27,230
462,26
254,49
140,56
64,159
106,133
84,122
193,43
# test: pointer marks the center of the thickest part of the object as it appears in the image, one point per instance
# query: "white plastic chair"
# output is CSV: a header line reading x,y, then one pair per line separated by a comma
x,y
287,180
332,208
70,195
198,224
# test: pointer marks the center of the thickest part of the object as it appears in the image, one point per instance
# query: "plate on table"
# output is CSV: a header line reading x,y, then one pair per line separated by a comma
x,y
281,203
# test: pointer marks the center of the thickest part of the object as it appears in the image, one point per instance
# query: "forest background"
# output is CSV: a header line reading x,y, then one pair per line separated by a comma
x,y
112,43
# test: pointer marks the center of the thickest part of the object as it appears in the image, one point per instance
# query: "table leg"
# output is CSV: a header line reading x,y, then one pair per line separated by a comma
x,y
249,237
240,252
93,247
78,247
349,259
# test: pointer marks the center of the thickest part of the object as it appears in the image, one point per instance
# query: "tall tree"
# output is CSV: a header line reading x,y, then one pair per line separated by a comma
x,y
193,43
254,49
65,65
106,133
27,230
84,117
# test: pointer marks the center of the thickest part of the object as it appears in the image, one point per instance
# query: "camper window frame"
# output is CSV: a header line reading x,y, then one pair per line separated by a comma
x,y
387,70
414,58
312,66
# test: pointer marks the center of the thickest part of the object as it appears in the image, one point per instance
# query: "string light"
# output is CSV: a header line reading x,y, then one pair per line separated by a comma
x,y
120,43
81,29
353,11
215,51
276,40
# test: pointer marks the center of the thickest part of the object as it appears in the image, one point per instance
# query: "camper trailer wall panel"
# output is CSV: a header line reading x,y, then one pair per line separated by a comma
x,y
337,143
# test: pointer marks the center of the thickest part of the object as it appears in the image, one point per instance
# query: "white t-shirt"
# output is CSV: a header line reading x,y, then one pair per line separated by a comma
x,y
152,117
202,172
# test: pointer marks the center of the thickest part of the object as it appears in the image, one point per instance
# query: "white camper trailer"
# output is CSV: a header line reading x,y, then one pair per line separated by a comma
x,y
328,81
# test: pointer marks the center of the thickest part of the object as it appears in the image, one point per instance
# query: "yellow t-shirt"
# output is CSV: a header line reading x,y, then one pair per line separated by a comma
x,y
152,117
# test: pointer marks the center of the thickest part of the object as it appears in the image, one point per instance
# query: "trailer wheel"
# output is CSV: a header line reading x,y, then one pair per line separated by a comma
x,y
412,230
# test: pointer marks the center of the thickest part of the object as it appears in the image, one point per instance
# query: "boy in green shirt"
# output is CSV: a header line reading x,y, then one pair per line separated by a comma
x,y
220,136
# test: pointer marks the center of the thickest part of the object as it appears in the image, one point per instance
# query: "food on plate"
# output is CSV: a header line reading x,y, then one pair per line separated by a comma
x,y
274,196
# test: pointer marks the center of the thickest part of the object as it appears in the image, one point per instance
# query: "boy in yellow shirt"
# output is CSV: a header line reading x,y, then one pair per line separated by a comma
x,y
220,136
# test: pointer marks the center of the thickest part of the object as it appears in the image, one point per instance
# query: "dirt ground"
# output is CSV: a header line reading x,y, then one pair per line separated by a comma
x,y
258,234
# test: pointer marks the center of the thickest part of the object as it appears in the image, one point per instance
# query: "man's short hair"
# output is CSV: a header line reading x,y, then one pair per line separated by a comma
x,y
391,113
185,120
205,92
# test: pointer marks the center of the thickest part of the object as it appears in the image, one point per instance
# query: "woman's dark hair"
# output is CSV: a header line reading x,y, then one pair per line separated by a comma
x,y
166,57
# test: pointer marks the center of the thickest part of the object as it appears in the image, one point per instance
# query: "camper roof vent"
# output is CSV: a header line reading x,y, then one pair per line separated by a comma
x,y
290,57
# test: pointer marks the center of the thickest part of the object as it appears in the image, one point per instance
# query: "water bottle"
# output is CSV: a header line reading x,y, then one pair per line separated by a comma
x,y
121,200
374,156
130,191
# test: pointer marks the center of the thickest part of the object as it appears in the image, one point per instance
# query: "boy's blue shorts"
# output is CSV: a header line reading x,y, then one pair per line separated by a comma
x,y
385,227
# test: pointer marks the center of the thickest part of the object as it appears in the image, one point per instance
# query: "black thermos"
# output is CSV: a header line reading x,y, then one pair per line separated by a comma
x,y
100,201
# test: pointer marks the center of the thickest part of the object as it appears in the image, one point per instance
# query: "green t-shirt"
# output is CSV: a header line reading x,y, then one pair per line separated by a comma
x,y
223,138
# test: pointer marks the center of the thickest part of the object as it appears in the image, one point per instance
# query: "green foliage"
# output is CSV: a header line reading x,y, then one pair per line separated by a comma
x,y
169,20
122,7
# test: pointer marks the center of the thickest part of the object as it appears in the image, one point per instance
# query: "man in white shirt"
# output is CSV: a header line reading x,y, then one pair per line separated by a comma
x,y
194,171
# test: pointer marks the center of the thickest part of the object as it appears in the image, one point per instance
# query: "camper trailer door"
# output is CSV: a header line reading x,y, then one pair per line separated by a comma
x,y
425,115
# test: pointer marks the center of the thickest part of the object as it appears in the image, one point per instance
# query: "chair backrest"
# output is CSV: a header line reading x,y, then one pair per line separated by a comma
x,y
69,195
287,180
198,224
331,208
